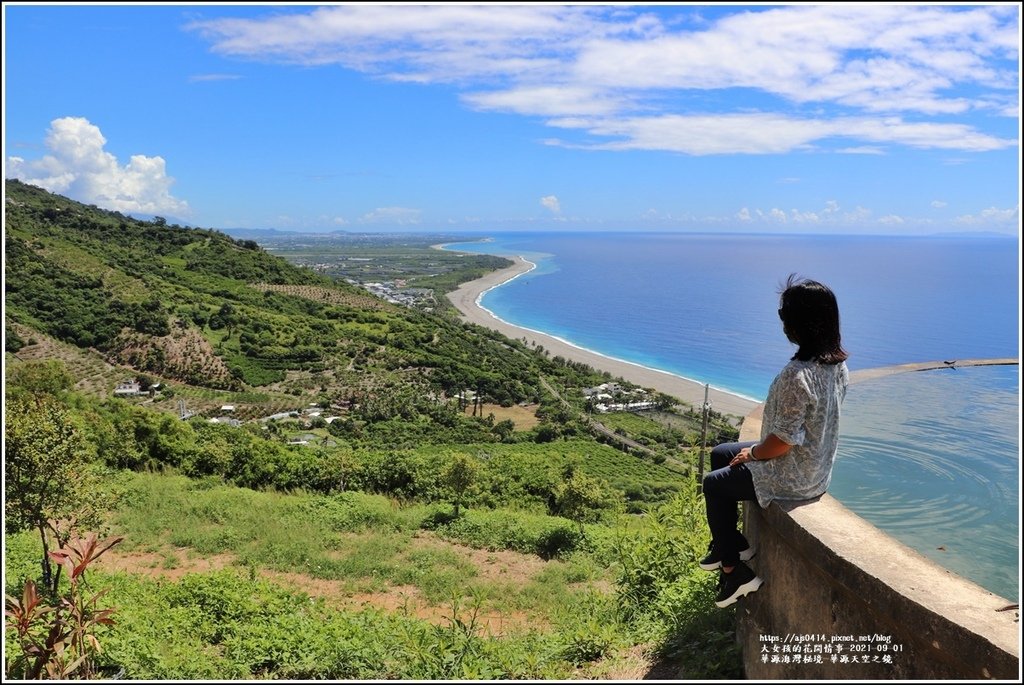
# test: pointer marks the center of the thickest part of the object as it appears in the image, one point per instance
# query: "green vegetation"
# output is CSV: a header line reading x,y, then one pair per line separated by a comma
x,y
404,538
368,543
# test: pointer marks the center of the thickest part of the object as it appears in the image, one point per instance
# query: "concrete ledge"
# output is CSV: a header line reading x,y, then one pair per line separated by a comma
x,y
830,574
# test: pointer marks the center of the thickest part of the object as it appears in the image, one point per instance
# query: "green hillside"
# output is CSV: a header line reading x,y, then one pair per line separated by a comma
x,y
195,306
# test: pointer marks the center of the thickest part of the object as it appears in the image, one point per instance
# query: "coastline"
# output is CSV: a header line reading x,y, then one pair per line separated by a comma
x,y
467,300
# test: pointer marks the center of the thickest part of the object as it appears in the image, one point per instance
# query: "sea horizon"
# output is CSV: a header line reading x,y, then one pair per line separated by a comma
x,y
510,302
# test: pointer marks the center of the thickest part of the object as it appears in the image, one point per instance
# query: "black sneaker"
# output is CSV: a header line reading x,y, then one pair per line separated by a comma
x,y
713,562
732,586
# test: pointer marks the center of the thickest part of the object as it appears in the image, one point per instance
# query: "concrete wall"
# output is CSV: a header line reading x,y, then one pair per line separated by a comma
x,y
832,579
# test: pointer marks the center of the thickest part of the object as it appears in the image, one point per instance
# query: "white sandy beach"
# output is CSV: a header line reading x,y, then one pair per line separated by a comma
x,y
466,300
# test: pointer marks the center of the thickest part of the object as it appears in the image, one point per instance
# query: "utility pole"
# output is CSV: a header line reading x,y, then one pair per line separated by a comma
x,y
703,440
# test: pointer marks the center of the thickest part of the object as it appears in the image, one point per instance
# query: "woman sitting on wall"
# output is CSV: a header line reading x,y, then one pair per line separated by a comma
x,y
799,435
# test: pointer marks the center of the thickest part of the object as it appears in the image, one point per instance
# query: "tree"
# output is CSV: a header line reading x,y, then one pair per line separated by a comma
x,y
338,467
504,429
545,433
12,341
579,496
48,377
663,401
458,476
45,470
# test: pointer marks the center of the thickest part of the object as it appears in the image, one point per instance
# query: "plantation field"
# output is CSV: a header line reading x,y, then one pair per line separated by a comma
x,y
327,295
524,417
93,374
641,481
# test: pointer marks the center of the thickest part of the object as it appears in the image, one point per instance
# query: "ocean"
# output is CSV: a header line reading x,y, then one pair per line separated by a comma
x,y
704,307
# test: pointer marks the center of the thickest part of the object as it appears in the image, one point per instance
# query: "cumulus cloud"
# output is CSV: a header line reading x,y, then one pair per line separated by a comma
x,y
400,216
803,217
993,216
78,166
859,215
938,204
551,202
625,78
829,216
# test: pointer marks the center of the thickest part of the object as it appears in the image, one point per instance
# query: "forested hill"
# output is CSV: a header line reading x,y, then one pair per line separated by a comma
x,y
197,307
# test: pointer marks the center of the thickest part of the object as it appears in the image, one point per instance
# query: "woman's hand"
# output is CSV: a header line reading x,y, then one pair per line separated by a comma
x,y
742,457
772,447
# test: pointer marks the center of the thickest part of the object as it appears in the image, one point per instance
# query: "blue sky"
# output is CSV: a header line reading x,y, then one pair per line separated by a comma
x,y
831,118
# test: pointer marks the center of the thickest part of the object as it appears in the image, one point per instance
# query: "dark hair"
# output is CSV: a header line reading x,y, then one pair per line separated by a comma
x,y
810,318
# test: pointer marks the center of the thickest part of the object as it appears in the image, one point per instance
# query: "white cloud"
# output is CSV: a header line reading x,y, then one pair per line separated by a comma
x,y
861,150
547,101
551,202
631,80
77,166
803,217
828,216
392,215
765,133
200,78
993,216
938,204
887,58
339,221
415,42
859,215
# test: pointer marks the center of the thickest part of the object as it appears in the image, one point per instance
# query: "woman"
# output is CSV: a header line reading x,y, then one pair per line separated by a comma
x,y
799,435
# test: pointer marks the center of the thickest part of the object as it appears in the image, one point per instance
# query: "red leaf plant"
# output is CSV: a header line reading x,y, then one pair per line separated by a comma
x,y
58,642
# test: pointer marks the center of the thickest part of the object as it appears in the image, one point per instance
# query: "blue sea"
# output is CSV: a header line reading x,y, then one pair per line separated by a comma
x,y
916,459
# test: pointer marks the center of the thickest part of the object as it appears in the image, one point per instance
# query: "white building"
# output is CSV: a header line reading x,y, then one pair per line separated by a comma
x,y
129,388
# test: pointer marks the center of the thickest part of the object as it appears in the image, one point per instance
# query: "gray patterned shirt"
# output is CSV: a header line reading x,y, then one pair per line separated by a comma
x,y
802,410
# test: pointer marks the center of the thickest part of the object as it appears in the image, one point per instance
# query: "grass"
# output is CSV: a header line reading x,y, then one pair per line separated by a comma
x,y
368,543
218,582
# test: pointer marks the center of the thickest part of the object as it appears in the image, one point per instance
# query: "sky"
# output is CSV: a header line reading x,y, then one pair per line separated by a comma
x,y
802,118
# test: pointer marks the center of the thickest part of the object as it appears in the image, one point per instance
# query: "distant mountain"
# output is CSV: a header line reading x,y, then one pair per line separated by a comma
x,y
972,234
264,233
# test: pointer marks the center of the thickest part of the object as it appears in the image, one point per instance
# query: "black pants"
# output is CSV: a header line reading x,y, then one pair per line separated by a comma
x,y
724,488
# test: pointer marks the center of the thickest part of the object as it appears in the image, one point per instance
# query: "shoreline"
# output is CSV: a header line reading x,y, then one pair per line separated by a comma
x,y
467,300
